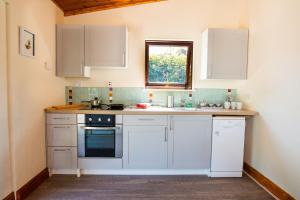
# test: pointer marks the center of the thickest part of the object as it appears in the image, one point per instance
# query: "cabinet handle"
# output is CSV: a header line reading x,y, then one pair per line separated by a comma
x,y
124,59
62,150
171,124
146,119
166,134
81,68
61,127
66,118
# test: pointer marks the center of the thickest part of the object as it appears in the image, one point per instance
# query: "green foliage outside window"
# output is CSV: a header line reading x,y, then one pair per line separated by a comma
x,y
168,68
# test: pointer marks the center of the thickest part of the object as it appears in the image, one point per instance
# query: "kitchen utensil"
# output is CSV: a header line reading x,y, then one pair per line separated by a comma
x,y
233,105
95,103
203,103
227,105
239,105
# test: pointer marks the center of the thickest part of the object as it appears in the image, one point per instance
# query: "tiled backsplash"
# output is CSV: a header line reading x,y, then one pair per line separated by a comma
x,y
131,96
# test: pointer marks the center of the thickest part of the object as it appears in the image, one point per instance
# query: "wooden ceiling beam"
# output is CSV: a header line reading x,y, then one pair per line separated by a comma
x,y
76,7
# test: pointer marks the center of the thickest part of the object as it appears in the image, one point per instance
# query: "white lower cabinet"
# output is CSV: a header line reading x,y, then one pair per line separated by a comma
x,y
145,147
62,158
176,143
190,142
61,143
228,146
183,142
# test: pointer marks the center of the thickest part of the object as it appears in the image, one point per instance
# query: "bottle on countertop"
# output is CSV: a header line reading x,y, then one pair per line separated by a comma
x,y
189,103
110,92
229,96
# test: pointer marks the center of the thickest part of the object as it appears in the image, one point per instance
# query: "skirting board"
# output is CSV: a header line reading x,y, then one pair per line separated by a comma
x,y
136,172
267,183
145,172
31,185
226,174
11,196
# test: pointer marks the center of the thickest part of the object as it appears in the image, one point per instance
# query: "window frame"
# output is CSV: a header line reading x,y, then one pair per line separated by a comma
x,y
189,64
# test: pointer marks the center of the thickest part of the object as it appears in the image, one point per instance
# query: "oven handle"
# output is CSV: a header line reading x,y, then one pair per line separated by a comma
x,y
99,128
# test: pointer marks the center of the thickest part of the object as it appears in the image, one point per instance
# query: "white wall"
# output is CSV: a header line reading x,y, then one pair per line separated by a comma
x,y
172,19
5,162
31,86
273,89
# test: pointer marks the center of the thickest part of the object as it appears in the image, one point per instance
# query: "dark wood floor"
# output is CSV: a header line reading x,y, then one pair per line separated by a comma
x,y
149,187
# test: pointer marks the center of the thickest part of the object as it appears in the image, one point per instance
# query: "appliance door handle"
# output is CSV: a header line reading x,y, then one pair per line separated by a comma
x,y
99,128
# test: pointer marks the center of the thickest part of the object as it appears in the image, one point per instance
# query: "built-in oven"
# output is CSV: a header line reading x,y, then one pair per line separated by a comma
x,y
100,136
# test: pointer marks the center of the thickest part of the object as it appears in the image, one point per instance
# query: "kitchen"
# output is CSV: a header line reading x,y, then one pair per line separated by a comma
x,y
237,70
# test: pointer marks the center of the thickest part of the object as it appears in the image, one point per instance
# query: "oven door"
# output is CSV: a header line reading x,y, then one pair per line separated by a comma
x,y
100,141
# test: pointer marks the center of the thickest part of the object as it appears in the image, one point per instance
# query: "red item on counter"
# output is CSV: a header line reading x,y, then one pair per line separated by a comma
x,y
142,105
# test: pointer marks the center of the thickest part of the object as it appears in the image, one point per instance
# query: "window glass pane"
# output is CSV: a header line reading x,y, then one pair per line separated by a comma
x,y
167,64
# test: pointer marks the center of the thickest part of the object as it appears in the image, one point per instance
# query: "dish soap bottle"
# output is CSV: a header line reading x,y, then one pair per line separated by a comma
x,y
189,103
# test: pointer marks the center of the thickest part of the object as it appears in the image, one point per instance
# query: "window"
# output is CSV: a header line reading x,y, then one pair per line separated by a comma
x,y
169,64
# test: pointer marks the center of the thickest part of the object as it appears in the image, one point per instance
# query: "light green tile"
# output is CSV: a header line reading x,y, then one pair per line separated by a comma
x,y
131,96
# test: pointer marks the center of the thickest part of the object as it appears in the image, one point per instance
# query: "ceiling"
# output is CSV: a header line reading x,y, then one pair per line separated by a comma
x,y
75,7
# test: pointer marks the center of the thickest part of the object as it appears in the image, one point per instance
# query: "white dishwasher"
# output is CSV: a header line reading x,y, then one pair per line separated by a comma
x,y
227,146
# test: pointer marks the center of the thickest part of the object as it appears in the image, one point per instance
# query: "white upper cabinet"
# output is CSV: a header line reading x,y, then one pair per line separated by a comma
x,y
80,47
70,51
224,54
105,46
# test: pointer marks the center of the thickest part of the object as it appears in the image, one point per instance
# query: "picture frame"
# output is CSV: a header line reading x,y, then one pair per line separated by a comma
x,y
26,42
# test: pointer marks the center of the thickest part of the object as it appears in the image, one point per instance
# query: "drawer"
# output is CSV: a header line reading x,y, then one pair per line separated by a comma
x,y
62,135
99,163
62,158
145,120
61,118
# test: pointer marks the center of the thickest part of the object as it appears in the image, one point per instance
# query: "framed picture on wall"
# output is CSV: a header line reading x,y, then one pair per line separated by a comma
x,y
27,42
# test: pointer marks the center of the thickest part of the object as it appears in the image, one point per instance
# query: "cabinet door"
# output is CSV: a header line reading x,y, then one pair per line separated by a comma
x,y
62,158
62,135
145,147
228,145
224,54
190,142
105,46
70,50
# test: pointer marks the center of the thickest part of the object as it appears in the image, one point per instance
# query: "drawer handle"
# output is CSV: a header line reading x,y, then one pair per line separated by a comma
x,y
66,118
62,150
61,127
146,119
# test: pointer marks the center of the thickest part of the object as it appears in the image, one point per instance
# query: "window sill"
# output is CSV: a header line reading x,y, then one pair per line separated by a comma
x,y
167,88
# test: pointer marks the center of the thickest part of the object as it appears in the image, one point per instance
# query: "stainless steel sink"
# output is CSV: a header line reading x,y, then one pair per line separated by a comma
x,y
184,109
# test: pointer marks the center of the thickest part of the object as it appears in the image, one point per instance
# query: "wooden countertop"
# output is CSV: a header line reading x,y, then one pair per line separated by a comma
x,y
78,109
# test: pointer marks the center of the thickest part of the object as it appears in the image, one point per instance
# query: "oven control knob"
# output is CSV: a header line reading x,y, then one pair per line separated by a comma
x,y
99,119
108,119
90,119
